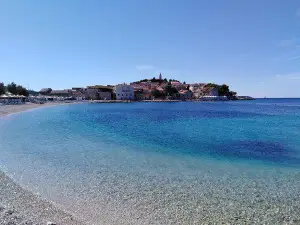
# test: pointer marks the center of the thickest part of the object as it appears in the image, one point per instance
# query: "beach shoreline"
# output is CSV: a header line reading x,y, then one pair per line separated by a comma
x,y
20,206
6,110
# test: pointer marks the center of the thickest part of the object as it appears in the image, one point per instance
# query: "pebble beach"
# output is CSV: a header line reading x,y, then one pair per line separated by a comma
x,y
11,109
113,180
19,206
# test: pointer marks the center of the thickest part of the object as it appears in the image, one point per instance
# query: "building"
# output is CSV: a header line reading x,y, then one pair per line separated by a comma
x,y
124,92
61,93
99,92
175,83
154,85
178,85
214,98
185,94
142,94
160,89
57,93
77,88
197,89
197,86
79,93
139,94
210,91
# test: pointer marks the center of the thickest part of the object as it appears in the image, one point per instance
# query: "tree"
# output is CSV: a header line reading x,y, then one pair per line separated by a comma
x,y
169,90
157,94
12,88
184,82
232,93
2,89
22,91
17,89
212,85
224,90
155,80
165,80
144,80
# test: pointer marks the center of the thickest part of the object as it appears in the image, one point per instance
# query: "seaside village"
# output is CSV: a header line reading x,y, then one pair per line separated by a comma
x,y
155,89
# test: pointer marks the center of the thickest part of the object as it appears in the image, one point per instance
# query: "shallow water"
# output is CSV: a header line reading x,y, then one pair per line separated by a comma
x,y
161,163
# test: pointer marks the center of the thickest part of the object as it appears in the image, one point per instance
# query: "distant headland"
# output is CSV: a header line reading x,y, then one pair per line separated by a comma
x,y
154,89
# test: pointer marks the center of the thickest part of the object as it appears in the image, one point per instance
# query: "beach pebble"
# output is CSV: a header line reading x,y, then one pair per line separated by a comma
x,y
2,208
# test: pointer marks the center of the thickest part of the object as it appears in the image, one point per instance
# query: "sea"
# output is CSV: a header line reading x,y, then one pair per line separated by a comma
x,y
234,162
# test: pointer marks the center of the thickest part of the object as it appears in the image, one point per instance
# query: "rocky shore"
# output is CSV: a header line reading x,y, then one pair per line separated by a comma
x,y
19,207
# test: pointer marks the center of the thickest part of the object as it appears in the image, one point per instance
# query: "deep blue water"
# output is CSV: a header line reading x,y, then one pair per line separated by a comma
x,y
94,148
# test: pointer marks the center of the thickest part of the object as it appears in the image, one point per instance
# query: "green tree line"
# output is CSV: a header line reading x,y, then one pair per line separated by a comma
x,y
168,91
13,88
165,80
223,90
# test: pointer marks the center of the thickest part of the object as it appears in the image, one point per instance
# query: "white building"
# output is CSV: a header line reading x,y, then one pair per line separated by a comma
x,y
124,92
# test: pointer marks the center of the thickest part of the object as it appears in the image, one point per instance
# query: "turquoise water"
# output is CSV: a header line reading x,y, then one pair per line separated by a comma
x,y
161,163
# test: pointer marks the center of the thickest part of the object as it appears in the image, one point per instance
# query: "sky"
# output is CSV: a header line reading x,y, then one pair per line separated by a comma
x,y
251,45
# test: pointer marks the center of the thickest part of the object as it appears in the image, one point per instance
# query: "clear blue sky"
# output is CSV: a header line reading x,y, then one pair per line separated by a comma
x,y
253,45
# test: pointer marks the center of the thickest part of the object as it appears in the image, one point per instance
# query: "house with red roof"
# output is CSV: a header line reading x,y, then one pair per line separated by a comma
x,y
185,94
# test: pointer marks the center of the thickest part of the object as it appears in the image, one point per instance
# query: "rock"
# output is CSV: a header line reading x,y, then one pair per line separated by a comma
x,y
2,208
51,223
9,212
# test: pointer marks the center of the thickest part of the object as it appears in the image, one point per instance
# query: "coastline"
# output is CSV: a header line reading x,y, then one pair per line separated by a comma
x,y
6,110
169,101
20,206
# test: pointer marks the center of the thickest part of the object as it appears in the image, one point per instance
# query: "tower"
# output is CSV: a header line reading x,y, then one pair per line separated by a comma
x,y
160,76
